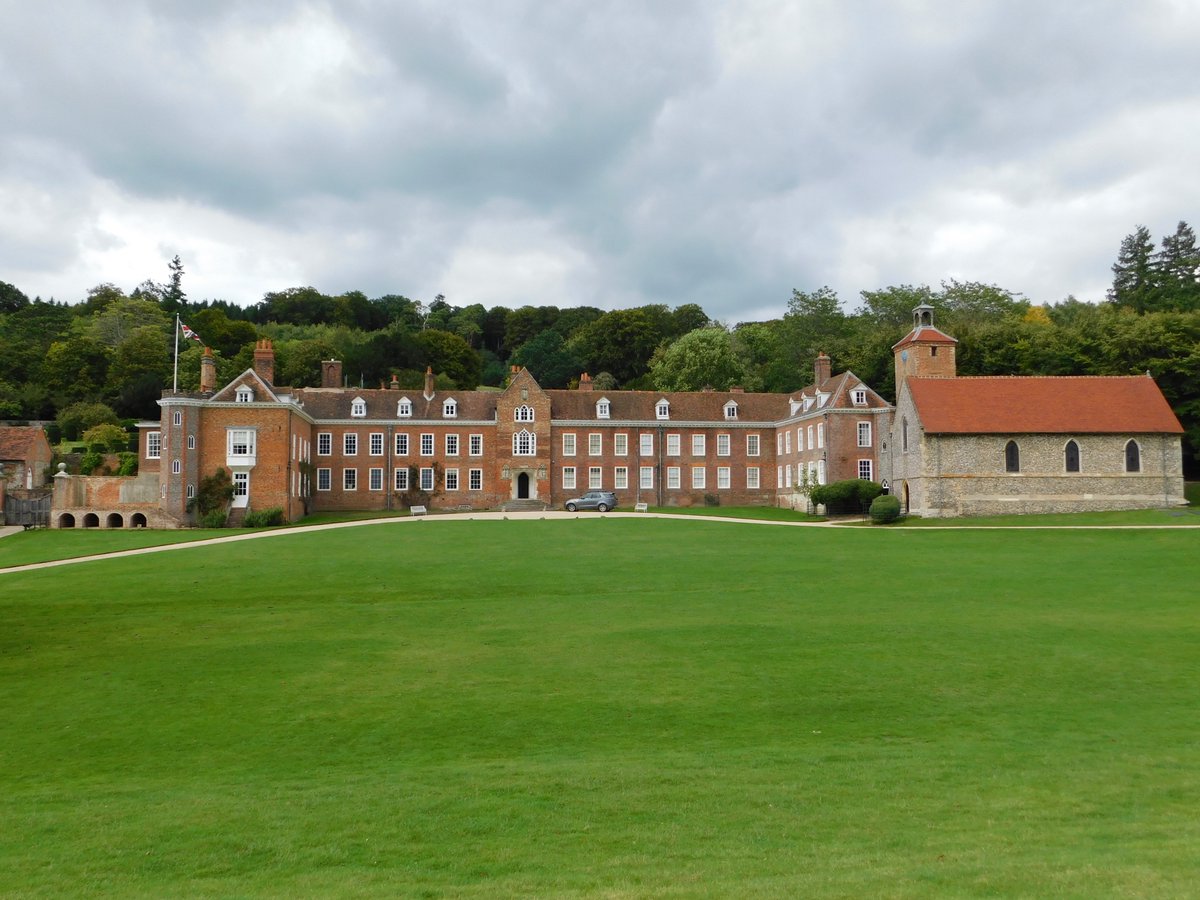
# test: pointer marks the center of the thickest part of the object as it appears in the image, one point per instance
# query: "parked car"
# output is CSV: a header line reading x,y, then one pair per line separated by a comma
x,y
602,501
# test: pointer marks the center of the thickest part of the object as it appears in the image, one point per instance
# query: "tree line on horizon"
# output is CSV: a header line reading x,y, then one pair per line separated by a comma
x,y
113,351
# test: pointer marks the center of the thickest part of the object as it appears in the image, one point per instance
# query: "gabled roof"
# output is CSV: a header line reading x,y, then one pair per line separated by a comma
x,y
1124,404
924,334
838,387
686,406
263,392
20,441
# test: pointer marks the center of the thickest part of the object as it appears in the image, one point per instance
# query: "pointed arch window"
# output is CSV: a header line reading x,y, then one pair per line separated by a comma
x,y
1071,456
524,443
1133,457
523,414
1012,457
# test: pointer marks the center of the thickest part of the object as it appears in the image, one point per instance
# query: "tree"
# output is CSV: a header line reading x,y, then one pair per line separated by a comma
x,y
1177,266
688,317
173,298
1133,273
75,368
547,359
620,341
11,299
75,419
121,317
449,354
143,353
702,358
892,306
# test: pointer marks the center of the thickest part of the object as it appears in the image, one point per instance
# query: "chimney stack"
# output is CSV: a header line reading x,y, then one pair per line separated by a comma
x,y
394,384
331,373
264,360
208,372
585,382
822,368
429,382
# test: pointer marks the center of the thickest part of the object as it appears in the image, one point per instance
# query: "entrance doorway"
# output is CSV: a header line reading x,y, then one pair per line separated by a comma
x,y
523,486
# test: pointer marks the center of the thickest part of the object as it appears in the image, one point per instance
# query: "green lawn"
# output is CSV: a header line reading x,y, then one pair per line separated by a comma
x,y
607,708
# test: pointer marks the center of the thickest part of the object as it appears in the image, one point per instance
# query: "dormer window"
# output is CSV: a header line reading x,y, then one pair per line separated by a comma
x,y
808,402
731,410
821,398
404,408
450,409
523,414
358,408
603,408
858,397
244,395
662,409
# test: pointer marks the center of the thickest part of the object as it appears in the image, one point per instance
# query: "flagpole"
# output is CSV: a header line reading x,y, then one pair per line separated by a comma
x,y
175,379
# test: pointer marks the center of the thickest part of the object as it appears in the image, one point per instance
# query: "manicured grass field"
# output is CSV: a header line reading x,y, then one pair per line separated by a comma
x,y
607,707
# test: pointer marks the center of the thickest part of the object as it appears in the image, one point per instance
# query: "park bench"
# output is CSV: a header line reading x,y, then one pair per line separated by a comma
x,y
641,507
417,510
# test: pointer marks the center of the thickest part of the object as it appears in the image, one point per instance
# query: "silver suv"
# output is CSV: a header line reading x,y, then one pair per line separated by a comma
x,y
602,501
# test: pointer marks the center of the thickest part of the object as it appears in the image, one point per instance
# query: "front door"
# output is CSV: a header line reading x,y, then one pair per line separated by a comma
x,y
523,486
241,489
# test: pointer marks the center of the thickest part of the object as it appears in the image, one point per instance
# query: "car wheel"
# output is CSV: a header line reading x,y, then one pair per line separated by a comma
x,y
571,507
603,507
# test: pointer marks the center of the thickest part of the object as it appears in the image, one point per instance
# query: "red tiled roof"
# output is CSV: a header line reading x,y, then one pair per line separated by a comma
x,y
926,334
19,442
1127,404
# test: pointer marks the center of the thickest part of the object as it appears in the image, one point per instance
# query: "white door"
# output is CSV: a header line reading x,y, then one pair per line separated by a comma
x,y
241,489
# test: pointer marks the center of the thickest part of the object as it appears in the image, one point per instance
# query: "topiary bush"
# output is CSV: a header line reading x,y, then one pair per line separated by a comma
x,y
264,518
214,519
885,508
842,497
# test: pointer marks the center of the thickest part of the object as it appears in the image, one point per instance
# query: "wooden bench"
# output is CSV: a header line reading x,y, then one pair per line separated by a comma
x,y
641,507
417,510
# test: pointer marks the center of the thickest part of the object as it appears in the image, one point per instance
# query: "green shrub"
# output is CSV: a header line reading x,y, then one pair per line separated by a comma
x,y
214,494
77,418
265,518
848,496
91,462
712,500
214,519
129,463
885,508
113,438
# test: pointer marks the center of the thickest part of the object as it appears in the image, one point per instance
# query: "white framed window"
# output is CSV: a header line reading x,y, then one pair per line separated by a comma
x,y
673,480
153,445
864,434
698,445
810,438
475,480
858,397
524,443
191,491
787,442
568,478
595,444
698,478
646,477
358,408
864,469
324,443
427,478
450,409
177,418
523,414
620,444
787,476
451,479
646,444
375,480
244,395
752,444
799,440
722,445
820,436
176,467
475,445
662,409
603,408
568,444
427,444
752,478
349,479
404,410
820,471
375,443
452,445
722,478
595,478
400,478
324,479
779,476
620,478
731,409
241,484
402,443
779,445
812,473
349,444
241,441
673,445
191,442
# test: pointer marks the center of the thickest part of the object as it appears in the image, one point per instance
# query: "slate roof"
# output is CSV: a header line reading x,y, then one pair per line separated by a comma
x,y
838,387
334,403
19,442
1125,404
926,334
686,406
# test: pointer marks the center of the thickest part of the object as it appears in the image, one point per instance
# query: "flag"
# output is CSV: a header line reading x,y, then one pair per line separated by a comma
x,y
188,333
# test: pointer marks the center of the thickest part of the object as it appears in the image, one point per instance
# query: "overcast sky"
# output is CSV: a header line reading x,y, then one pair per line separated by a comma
x,y
602,153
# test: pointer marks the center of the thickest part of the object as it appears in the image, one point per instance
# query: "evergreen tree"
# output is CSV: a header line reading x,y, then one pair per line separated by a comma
x,y
1177,265
174,299
1133,272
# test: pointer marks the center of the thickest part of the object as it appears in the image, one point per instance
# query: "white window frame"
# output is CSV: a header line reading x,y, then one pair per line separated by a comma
x,y
621,478
595,444
595,478
753,478
191,491
787,442
153,445
568,478
674,444
191,444
450,479
247,446
673,478
568,443
375,479
620,444
723,479
864,434
699,478
404,408
358,408
524,443
400,478
646,478
450,409
523,413
177,417
176,467
646,444
753,445
866,466
699,445
451,444
350,479
603,408
324,479
350,443
731,410
475,445
427,478
724,444
662,409
800,440
375,444
324,443
858,397
243,395
475,479
427,443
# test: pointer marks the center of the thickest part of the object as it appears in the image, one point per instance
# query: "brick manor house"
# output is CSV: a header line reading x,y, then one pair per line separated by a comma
x,y
344,448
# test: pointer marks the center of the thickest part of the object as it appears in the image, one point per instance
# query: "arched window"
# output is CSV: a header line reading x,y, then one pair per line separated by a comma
x,y
1012,457
1071,456
1133,457
904,433
524,443
523,414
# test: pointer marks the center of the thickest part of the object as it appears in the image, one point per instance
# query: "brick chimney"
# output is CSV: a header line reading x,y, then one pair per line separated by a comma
x,y
264,360
585,382
394,384
822,368
331,373
208,372
429,382
737,389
